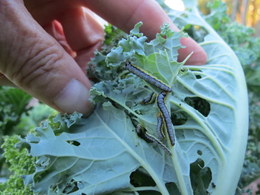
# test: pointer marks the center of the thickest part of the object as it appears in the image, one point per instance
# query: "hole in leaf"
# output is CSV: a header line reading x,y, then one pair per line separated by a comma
x,y
43,162
200,177
179,117
198,76
197,73
199,104
199,152
73,142
172,188
140,178
70,187
184,70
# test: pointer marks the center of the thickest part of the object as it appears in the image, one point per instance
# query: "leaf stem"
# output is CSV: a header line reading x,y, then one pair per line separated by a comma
x,y
184,186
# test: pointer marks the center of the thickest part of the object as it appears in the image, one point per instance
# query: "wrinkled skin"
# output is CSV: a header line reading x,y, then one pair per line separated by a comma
x,y
46,44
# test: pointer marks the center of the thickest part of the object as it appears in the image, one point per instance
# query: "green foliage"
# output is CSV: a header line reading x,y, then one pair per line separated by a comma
x,y
15,158
20,163
33,118
239,37
12,105
112,35
218,15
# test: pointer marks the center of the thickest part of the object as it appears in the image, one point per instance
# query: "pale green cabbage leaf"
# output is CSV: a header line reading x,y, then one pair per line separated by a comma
x,y
101,153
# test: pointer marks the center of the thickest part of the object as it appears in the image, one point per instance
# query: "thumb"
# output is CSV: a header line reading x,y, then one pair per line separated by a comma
x,y
35,62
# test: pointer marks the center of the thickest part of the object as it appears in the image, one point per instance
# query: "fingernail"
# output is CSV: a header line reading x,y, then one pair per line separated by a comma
x,y
74,97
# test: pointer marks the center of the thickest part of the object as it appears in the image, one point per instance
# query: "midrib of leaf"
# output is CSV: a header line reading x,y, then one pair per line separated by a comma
x,y
183,186
160,184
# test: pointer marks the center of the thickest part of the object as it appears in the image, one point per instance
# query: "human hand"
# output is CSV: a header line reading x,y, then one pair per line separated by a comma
x,y
45,44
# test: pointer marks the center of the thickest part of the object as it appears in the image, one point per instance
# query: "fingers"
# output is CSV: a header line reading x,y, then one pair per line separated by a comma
x,y
125,14
31,59
4,81
83,33
56,30
199,56
35,62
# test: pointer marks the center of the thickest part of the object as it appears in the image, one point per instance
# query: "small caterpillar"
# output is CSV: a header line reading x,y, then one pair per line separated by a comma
x,y
146,136
145,76
150,99
154,139
166,116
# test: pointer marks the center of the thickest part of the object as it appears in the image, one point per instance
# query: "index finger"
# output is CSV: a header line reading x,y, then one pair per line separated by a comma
x,y
126,13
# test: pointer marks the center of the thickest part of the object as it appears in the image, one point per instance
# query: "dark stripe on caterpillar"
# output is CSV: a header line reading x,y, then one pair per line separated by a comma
x,y
166,116
159,127
145,76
